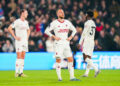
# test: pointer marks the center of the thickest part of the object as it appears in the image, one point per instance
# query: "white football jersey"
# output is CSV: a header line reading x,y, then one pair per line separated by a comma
x,y
61,29
21,28
88,32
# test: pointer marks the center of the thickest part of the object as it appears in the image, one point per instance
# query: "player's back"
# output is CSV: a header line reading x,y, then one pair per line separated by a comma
x,y
91,27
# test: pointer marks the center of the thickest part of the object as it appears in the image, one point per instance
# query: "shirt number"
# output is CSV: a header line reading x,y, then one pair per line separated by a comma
x,y
92,30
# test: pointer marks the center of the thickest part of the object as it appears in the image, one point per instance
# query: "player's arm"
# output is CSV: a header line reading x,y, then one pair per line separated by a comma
x,y
83,34
12,33
28,33
48,32
73,29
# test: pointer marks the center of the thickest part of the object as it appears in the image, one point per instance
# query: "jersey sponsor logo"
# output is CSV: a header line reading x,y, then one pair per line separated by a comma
x,y
63,31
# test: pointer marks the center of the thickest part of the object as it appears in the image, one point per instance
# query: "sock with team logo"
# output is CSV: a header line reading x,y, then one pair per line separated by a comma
x,y
71,70
90,62
58,70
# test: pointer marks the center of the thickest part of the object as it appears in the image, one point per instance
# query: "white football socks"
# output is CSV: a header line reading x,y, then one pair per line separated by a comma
x,y
19,65
71,70
58,70
90,62
87,70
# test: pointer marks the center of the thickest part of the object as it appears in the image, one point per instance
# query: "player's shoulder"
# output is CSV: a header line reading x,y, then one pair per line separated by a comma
x,y
90,22
26,21
17,20
54,22
67,21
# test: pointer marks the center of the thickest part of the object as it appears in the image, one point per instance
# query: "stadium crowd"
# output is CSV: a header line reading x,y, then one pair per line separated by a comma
x,y
42,12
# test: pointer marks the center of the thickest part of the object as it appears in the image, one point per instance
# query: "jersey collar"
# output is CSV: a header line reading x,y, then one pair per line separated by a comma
x,y
60,21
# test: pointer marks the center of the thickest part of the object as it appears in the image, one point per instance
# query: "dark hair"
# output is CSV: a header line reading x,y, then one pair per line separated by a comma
x,y
22,10
90,13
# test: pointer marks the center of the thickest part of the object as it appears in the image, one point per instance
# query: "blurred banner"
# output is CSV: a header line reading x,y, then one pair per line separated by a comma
x,y
104,60
46,61
33,61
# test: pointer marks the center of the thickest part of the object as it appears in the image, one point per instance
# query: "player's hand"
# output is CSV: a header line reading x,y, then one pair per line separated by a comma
x,y
69,38
17,38
57,38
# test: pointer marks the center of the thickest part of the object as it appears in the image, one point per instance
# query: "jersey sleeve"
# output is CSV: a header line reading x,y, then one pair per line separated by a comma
x,y
28,26
49,29
73,29
13,25
84,33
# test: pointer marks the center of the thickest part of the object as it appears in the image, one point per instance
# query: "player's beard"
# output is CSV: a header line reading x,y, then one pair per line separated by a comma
x,y
61,17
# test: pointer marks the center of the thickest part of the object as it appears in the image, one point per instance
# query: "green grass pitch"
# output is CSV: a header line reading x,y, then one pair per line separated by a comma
x,y
49,78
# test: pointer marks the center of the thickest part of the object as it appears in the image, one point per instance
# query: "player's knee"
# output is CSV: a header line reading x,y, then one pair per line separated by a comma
x,y
58,60
18,55
23,55
70,59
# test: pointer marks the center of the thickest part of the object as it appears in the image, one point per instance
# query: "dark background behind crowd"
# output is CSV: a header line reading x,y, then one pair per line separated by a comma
x,y
42,12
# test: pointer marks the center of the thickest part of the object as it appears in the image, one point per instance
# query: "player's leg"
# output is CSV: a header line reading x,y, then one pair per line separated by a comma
x,y
22,64
18,62
58,68
87,68
87,53
58,54
71,67
68,54
90,64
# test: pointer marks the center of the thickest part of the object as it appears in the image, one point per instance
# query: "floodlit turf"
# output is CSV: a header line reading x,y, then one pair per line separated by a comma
x,y
49,78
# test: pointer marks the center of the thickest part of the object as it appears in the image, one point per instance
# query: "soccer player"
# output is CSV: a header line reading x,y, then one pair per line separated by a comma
x,y
61,29
87,43
21,36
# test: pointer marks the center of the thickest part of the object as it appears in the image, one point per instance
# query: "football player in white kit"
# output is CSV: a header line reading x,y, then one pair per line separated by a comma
x,y
87,43
61,29
21,36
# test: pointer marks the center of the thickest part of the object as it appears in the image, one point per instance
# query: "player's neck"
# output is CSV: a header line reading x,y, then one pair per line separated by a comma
x,y
89,18
60,20
22,18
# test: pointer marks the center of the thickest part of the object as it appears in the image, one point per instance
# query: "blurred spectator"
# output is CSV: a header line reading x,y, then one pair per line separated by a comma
x,y
50,45
117,40
8,47
115,8
112,32
42,12
73,43
106,42
95,13
12,7
97,46
107,27
99,28
2,41
32,46
117,27
1,12
41,46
